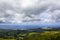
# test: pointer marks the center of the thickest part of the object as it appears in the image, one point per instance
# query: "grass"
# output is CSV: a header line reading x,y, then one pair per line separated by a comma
x,y
6,39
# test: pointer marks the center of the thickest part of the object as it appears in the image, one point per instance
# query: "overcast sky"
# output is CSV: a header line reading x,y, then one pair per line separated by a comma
x,y
29,11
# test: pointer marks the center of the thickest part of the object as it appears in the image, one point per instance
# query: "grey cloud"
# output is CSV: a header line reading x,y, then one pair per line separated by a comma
x,y
46,7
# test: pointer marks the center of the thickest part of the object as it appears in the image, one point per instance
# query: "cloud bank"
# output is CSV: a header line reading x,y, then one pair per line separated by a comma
x,y
29,11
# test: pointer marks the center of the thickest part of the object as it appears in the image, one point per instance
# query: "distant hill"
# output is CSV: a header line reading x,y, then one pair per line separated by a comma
x,y
19,27
29,26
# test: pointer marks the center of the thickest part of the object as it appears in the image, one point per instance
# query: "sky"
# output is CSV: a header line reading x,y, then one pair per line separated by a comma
x,y
29,11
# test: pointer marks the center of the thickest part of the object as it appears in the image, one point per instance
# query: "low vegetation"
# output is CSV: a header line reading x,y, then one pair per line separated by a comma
x,y
26,35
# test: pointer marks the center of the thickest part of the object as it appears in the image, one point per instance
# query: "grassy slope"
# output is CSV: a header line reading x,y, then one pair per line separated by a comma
x,y
46,35
6,39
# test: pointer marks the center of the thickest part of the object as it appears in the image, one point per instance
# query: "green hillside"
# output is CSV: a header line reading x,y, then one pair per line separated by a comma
x,y
26,35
